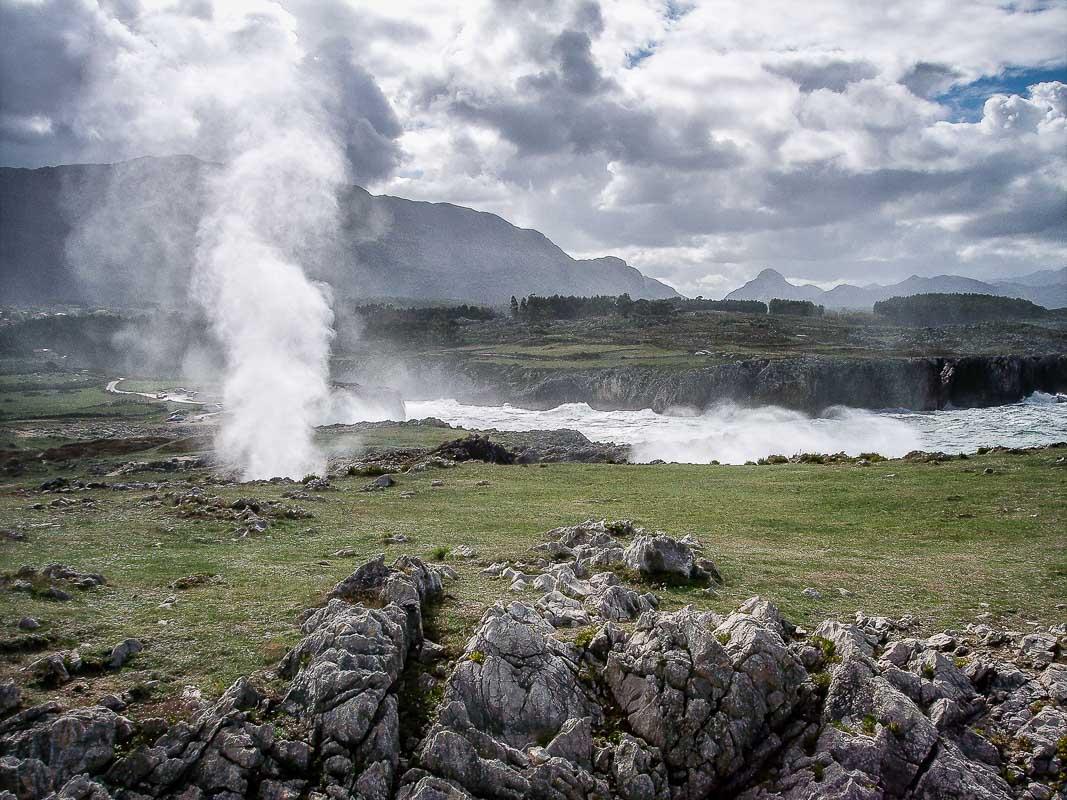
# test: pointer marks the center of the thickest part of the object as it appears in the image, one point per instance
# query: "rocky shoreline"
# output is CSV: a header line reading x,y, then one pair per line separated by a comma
x,y
579,688
809,384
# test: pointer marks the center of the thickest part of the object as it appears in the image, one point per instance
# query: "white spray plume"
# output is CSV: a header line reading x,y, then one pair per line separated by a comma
x,y
234,84
276,196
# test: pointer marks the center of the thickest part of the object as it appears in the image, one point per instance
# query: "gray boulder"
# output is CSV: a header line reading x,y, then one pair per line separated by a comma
x,y
123,652
10,697
514,661
659,555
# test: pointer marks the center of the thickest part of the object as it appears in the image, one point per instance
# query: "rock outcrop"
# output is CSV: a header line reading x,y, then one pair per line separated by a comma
x,y
334,729
678,705
578,571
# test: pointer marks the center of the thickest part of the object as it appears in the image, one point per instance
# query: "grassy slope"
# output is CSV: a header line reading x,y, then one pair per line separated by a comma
x,y
48,394
932,540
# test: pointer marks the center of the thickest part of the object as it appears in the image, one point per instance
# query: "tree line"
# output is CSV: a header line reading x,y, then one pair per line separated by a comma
x,y
930,310
534,308
428,324
796,308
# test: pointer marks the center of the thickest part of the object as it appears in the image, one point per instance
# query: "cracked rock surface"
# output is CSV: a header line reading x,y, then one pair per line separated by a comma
x,y
638,704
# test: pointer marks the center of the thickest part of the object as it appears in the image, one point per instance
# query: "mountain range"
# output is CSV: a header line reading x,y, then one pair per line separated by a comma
x,y
125,234
1047,288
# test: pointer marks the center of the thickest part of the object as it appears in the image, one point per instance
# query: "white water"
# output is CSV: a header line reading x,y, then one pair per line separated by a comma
x,y
733,435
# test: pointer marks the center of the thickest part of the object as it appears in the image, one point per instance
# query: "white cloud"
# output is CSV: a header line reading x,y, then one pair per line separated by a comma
x,y
701,147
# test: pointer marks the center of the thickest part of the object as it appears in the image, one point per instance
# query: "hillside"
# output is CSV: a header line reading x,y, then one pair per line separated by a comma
x,y
125,234
1046,288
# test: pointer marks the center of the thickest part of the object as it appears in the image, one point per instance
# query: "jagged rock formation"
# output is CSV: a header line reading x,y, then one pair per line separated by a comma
x,y
334,728
680,705
809,384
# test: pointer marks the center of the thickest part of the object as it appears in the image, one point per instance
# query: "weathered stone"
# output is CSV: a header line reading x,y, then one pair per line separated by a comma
x,y
123,651
514,661
10,697
66,743
660,555
620,603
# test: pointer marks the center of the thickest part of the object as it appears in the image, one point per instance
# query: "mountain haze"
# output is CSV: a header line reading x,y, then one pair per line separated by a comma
x,y
125,234
1047,288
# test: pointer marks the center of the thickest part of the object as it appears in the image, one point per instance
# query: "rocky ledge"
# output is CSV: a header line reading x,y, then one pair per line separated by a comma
x,y
505,447
809,384
567,693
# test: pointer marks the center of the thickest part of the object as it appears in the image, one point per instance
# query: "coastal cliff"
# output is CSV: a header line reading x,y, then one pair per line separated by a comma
x,y
807,384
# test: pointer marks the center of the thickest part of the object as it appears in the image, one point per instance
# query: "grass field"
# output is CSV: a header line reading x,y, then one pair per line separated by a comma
x,y
673,343
936,541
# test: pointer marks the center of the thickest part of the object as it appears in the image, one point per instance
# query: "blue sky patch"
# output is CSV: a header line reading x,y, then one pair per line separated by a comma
x,y
967,100
635,57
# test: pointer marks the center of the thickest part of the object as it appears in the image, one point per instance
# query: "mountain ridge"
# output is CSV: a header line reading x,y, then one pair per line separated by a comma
x,y
125,234
1045,287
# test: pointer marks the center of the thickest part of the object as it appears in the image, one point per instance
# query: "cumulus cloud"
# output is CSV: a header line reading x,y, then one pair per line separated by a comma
x,y
702,141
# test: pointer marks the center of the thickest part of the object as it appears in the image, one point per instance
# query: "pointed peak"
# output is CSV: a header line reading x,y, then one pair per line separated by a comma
x,y
769,273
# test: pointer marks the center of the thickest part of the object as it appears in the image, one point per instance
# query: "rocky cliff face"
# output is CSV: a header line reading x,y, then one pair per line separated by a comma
x,y
680,705
807,384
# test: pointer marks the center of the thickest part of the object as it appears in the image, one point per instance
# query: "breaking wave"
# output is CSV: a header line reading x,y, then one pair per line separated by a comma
x,y
733,434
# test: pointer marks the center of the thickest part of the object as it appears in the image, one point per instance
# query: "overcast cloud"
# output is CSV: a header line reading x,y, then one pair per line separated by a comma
x,y
701,141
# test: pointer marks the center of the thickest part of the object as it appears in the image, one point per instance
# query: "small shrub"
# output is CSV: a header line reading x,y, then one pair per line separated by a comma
x,y
821,681
817,771
438,553
773,459
585,637
477,656
724,638
928,672
828,648
869,724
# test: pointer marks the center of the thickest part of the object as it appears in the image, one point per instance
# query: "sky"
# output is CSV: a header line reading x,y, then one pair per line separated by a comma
x,y
701,141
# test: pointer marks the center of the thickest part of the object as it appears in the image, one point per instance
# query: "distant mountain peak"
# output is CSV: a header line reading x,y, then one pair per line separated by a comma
x,y
1047,288
770,284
